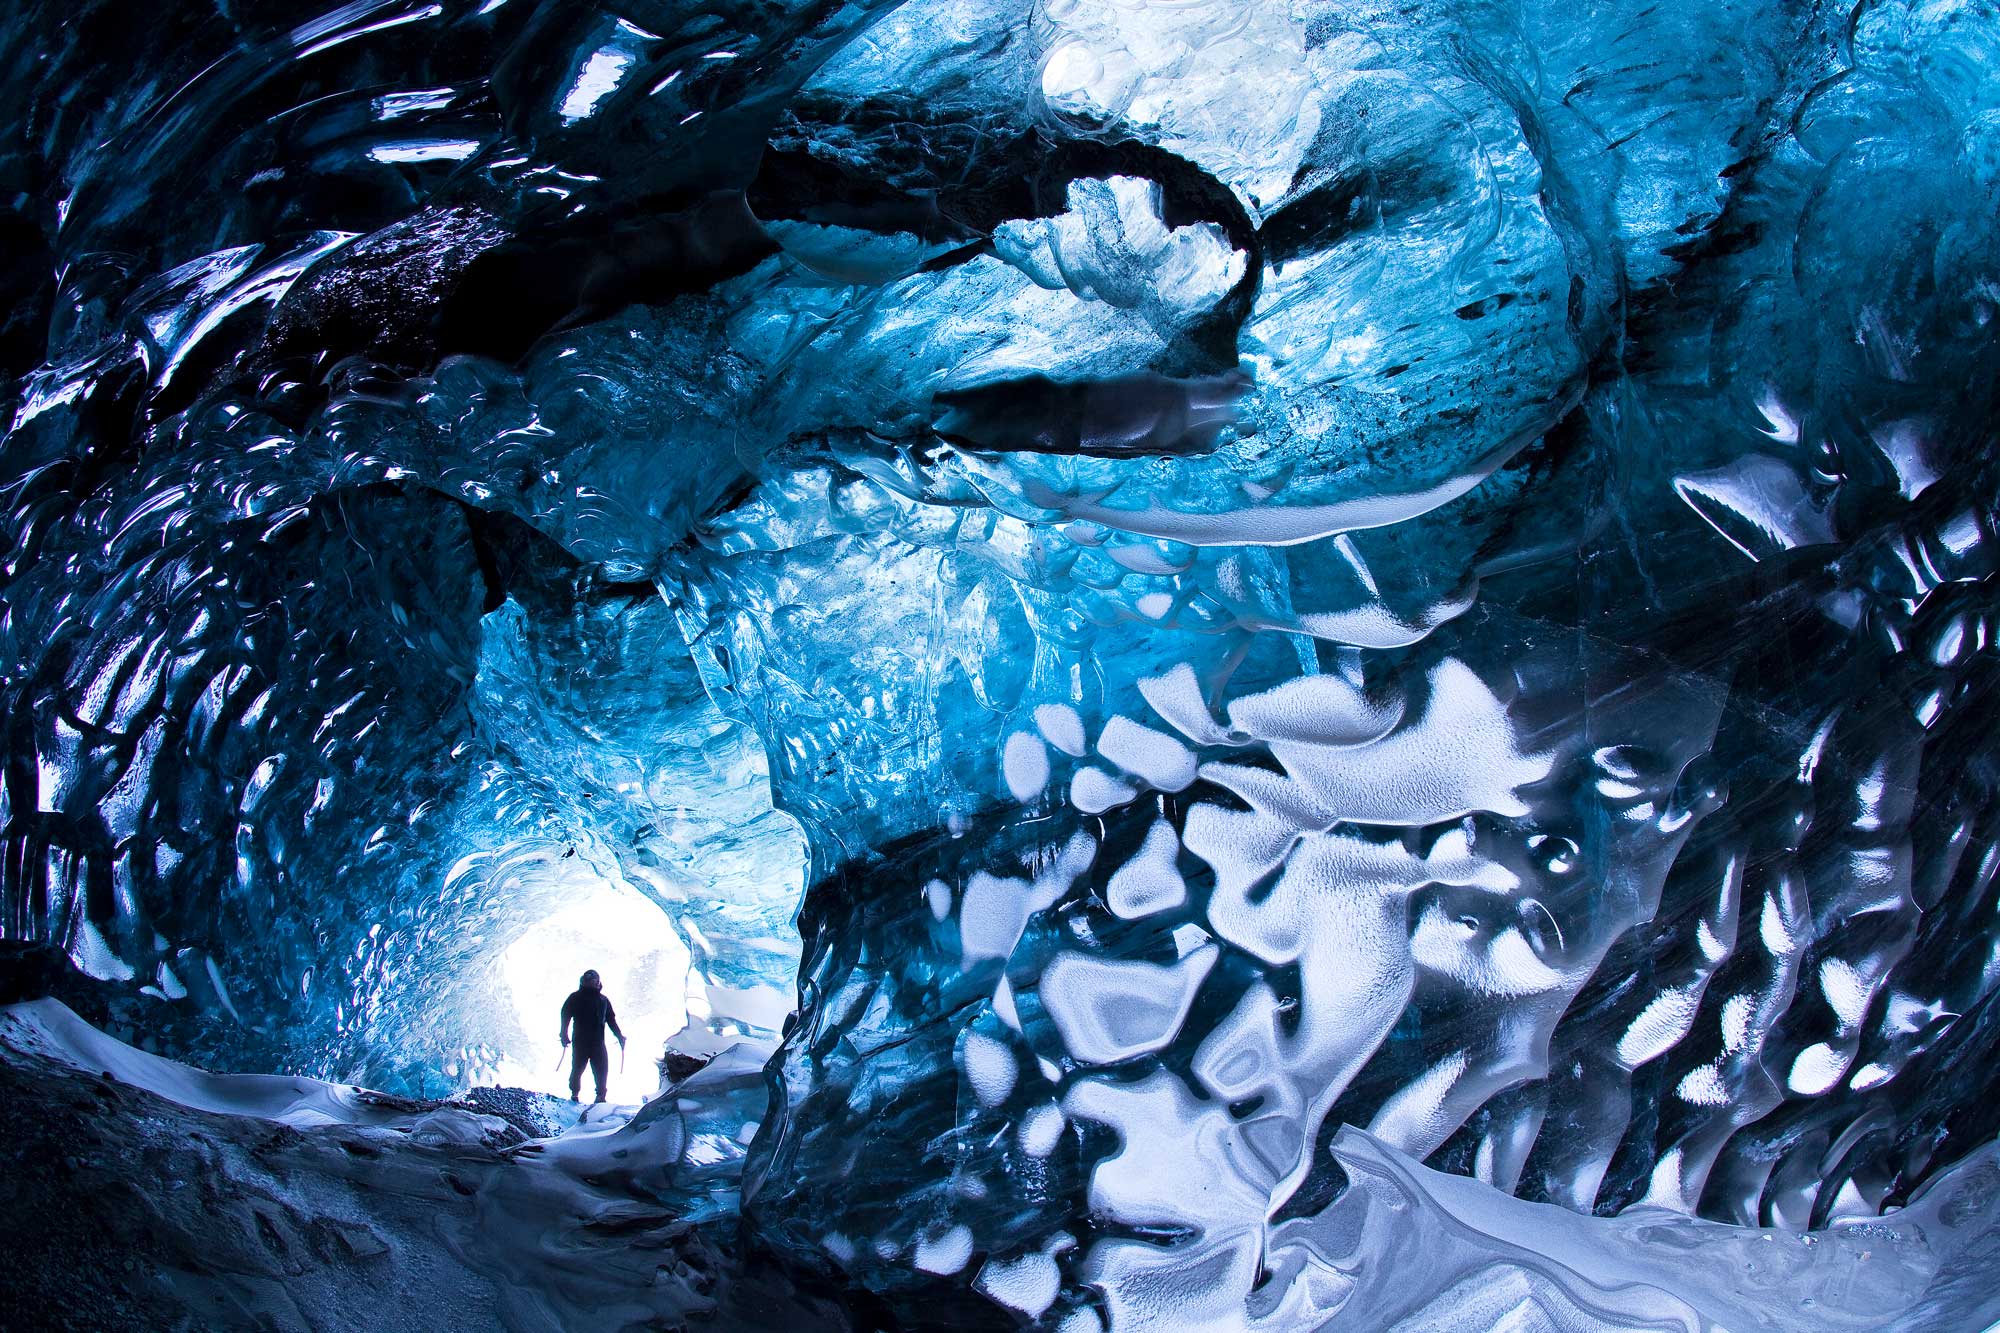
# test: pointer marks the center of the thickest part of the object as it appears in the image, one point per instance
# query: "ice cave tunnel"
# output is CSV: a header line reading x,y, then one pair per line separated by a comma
x,y
1187,665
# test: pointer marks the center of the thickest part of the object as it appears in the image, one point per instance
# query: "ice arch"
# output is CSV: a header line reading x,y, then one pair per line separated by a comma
x,y
1262,568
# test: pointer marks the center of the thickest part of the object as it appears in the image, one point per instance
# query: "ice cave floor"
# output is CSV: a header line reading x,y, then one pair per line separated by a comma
x,y
141,1193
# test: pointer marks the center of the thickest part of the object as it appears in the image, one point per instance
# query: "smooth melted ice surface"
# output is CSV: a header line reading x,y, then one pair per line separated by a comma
x,y
1225,598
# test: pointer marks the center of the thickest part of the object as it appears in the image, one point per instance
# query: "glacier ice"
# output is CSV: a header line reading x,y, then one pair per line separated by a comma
x,y
280,1191
1187,604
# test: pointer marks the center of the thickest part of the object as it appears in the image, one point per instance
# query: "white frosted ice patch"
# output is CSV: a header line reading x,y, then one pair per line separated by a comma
x,y
1323,877
1459,757
1738,1012
1025,762
1242,846
1151,881
1780,423
992,912
946,1253
94,956
1244,1056
1660,1026
1846,989
1084,1320
1109,1010
1911,454
1041,1129
1711,945
1094,791
1318,710
1703,1086
1871,1075
1177,697
1411,1117
424,150
1151,756
1028,1284
1061,727
1004,1008
990,1067
1817,1069
1269,524
50,1027
1498,963
1149,557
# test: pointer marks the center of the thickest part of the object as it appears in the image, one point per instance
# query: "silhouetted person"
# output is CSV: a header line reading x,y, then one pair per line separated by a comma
x,y
589,1013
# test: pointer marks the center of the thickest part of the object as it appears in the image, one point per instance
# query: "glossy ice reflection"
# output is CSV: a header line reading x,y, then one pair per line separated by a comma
x,y
1136,583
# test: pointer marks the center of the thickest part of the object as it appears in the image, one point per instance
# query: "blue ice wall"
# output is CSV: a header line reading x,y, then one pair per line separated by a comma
x,y
1244,569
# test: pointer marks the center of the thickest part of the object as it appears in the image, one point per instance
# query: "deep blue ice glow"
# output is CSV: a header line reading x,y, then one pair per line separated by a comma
x,y
1173,577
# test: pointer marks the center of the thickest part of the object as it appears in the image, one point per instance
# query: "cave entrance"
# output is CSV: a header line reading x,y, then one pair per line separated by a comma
x,y
631,941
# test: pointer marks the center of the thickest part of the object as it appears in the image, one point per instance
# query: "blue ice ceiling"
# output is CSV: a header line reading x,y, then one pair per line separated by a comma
x,y
1175,576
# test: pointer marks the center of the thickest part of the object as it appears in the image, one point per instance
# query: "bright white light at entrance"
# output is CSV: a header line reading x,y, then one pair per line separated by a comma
x,y
634,948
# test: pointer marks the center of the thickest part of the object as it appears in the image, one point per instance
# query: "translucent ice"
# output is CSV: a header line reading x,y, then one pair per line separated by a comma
x,y
1285,590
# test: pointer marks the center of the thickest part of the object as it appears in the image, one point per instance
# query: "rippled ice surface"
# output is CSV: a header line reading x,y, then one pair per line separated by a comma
x,y
1188,582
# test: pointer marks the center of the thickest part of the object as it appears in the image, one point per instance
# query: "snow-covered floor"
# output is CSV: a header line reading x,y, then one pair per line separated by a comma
x,y
144,1194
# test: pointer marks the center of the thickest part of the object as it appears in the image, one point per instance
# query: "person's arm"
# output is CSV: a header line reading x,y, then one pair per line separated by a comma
x,y
611,1021
569,1007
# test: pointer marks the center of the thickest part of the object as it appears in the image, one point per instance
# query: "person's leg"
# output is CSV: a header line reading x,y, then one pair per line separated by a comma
x,y
575,1069
600,1068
